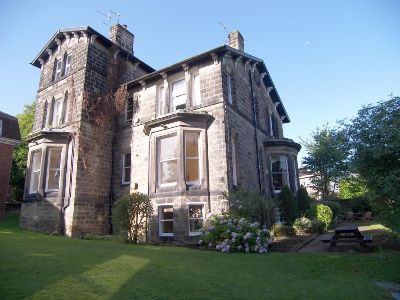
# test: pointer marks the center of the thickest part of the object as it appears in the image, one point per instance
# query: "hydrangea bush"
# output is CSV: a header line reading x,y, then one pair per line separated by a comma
x,y
227,234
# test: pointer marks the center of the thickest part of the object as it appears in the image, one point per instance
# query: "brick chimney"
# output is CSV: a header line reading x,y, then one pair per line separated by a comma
x,y
121,36
236,40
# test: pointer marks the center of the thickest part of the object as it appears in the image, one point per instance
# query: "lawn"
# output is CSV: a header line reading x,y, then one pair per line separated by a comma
x,y
38,266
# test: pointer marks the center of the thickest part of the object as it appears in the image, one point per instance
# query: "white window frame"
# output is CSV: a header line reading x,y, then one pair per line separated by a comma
x,y
229,87
195,233
58,71
57,113
285,173
161,100
185,132
158,161
67,64
38,170
196,94
124,167
49,150
161,220
173,96
234,162
127,119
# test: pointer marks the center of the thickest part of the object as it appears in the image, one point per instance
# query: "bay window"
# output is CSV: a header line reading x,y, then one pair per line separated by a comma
x,y
279,172
195,218
167,160
166,220
36,161
178,95
53,169
192,166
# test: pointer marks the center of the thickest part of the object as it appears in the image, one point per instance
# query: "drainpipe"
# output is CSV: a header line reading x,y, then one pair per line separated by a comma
x,y
255,131
208,173
111,195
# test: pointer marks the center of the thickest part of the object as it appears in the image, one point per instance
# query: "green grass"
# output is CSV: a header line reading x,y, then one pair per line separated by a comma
x,y
38,266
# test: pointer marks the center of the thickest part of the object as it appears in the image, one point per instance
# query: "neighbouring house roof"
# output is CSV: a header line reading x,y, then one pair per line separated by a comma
x,y
224,49
52,44
10,133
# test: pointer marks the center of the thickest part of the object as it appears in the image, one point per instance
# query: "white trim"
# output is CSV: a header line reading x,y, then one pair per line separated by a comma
x,y
195,233
160,221
125,167
285,173
49,151
33,153
185,158
158,160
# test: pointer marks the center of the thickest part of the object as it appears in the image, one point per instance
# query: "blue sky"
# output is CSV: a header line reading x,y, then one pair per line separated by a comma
x,y
327,58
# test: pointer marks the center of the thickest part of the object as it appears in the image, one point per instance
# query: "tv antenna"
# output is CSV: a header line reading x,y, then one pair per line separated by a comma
x,y
111,18
226,40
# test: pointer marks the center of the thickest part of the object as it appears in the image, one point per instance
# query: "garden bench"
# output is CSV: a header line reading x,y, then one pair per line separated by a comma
x,y
347,234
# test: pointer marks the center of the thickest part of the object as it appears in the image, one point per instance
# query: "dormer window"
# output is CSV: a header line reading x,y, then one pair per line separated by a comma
x,y
57,69
67,64
178,95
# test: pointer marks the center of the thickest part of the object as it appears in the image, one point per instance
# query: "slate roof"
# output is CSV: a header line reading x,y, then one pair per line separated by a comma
x,y
10,128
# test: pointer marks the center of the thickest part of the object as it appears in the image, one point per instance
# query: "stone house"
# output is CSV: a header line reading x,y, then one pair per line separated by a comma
x,y
188,132
9,138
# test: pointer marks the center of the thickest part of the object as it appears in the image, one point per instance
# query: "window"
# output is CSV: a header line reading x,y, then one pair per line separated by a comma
x,y
234,163
67,64
57,112
279,171
161,101
195,219
36,161
129,109
166,225
126,168
1,127
295,174
53,169
192,165
57,69
271,126
167,160
178,95
229,87
196,100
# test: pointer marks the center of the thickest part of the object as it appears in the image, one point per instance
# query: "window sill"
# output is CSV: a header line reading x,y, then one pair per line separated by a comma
x,y
125,184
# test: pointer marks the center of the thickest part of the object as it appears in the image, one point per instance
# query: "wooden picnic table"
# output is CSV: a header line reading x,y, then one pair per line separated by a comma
x,y
348,234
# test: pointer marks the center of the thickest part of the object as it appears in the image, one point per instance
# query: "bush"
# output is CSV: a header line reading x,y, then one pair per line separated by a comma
x,y
129,217
317,226
235,235
280,230
251,206
288,204
311,213
360,204
303,200
334,206
324,214
302,224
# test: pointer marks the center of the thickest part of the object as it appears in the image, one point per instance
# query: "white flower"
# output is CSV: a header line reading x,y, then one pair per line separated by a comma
x,y
239,247
218,247
247,236
201,242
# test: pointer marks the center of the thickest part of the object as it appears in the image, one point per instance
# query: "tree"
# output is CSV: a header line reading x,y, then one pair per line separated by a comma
x,y
288,204
20,154
352,187
374,136
303,200
327,158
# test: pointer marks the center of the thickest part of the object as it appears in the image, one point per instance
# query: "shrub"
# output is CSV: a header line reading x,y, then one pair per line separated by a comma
x,y
280,230
303,200
360,204
130,215
235,235
311,213
317,226
302,224
288,204
334,206
324,214
251,206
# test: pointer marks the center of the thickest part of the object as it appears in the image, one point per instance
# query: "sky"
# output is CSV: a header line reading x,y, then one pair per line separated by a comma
x,y
326,58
